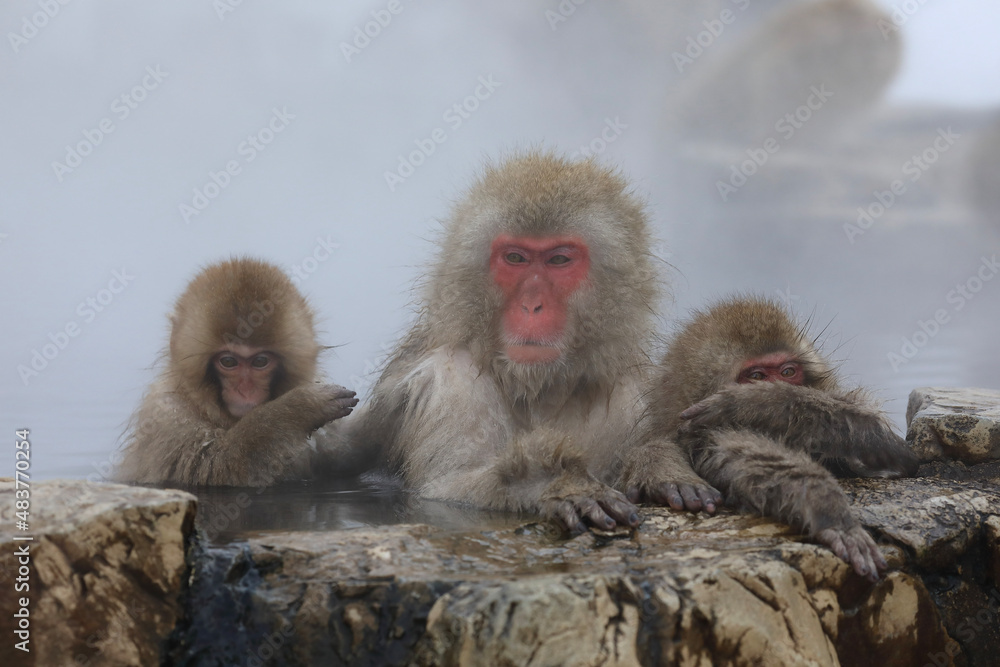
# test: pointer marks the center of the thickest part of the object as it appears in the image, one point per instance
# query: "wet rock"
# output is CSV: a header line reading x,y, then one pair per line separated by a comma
x,y
112,586
961,424
107,567
992,526
898,624
682,589
935,521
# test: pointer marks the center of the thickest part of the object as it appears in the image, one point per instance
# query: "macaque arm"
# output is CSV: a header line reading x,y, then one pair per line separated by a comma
x,y
759,474
170,443
826,425
271,443
658,471
341,451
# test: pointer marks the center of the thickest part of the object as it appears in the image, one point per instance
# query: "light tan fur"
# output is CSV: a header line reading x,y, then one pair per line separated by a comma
x,y
460,421
182,433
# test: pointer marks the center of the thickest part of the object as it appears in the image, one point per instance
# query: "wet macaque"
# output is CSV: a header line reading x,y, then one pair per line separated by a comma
x,y
520,385
764,419
238,397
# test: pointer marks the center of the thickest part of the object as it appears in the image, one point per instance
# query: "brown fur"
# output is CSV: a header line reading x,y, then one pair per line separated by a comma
x,y
458,421
763,443
183,433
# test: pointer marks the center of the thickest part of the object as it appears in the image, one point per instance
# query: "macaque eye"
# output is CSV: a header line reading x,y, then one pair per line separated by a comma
x,y
228,362
515,258
559,260
787,372
260,361
757,375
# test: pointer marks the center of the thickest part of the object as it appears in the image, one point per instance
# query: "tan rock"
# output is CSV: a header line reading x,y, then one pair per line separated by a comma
x,y
961,424
107,565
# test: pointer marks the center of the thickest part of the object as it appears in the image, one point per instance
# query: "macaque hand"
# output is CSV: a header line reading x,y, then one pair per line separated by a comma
x,y
337,401
718,410
322,402
857,548
576,499
693,496
882,453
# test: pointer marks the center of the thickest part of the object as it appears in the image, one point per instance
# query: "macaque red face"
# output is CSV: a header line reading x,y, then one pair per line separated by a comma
x,y
537,277
774,367
245,374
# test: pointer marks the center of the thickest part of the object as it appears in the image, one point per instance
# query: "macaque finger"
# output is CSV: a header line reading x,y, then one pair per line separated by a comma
x,y
591,510
868,553
633,495
565,514
669,494
833,540
710,498
880,562
862,564
692,501
694,410
620,509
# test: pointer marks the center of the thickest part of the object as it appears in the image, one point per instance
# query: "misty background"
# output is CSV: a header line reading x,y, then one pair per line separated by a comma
x,y
142,141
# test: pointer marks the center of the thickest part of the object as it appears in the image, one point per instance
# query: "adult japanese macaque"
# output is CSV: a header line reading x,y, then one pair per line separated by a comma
x,y
520,385
761,413
238,397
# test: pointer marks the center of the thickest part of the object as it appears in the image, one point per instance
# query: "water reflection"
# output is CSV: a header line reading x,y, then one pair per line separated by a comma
x,y
230,513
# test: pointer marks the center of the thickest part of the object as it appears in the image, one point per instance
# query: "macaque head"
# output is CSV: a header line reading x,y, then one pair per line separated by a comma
x,y
739,341
242,335
545,268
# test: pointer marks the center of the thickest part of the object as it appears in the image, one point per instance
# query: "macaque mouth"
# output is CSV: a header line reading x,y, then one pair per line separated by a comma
x,y
528,351
240,408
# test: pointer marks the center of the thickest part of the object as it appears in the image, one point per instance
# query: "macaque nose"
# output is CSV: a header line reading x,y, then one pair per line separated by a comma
x,y
532,297
532,307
